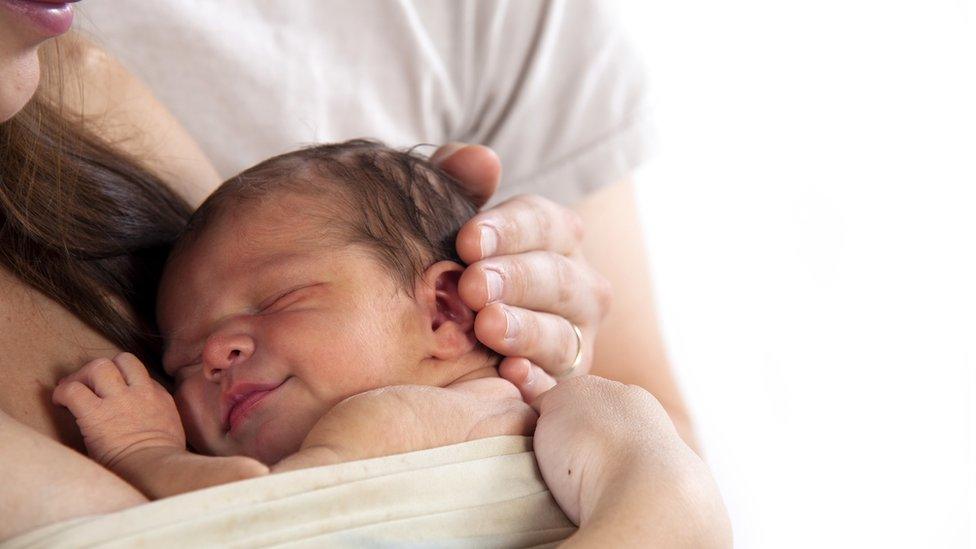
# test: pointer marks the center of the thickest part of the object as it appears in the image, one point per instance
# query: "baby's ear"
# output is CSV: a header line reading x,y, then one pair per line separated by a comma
x,y
451,321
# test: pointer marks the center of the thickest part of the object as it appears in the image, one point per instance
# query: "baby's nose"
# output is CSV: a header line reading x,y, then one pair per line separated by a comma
x,y
223,351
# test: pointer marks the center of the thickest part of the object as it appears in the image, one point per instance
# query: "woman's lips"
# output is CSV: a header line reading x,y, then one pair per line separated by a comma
x,y
50,18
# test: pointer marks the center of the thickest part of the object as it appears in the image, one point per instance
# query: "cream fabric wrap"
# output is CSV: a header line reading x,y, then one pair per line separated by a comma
x,y
485,493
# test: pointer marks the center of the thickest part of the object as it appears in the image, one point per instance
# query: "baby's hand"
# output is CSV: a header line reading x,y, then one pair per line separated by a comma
x,y
120,409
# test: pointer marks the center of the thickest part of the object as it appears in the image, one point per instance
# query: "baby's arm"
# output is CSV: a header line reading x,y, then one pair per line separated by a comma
x,y
131,426
406,418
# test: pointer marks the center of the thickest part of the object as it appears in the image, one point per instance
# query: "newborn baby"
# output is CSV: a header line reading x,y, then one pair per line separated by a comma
x,y
310,315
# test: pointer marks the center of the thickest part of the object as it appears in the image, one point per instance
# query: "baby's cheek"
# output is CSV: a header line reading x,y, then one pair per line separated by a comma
x,y
199,422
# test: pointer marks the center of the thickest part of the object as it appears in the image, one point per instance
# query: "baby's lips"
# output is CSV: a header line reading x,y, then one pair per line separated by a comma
x,y
238,393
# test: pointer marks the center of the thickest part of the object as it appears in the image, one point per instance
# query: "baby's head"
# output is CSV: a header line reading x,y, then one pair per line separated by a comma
x,y
306,279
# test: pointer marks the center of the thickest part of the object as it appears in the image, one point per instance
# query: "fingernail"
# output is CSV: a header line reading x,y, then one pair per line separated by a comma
x,y
511,324
445,152
489,241
529,377
493,282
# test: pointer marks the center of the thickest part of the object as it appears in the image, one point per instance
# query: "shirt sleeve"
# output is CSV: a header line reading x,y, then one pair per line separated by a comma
x,y
556,88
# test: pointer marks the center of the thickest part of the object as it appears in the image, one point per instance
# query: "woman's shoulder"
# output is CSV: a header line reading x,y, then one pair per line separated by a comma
x,y
119,108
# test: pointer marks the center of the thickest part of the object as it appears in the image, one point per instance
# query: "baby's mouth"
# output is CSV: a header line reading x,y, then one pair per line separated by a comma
x,y
242,399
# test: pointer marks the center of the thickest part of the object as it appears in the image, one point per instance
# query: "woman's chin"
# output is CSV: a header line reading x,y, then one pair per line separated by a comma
x,y
19,77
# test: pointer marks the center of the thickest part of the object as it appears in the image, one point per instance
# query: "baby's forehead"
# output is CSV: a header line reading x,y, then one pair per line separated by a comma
x,y
256,245
277,215
247,233
282,221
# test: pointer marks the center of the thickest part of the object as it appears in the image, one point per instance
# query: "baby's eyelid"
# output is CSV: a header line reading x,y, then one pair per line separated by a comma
x,y
268,303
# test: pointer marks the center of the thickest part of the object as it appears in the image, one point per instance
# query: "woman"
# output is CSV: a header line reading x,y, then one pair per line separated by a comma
x,y
76,285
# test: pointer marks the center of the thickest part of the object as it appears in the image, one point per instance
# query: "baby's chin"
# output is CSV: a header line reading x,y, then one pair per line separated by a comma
x,y
269,442
275,440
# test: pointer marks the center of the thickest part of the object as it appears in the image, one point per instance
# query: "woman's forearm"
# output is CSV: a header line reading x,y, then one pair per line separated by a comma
x,y
629,347
45,482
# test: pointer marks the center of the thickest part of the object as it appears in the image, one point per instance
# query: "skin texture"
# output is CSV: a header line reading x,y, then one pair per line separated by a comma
x,y
44,482
19,65
318,320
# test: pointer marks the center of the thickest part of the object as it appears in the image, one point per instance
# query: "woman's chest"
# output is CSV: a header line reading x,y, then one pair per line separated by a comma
x,y
40,342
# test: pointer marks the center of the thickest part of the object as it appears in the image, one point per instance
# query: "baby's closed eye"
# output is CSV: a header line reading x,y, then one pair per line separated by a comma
x,y
284,299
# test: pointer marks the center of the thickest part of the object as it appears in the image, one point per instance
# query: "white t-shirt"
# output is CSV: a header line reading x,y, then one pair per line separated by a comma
x,y
552,86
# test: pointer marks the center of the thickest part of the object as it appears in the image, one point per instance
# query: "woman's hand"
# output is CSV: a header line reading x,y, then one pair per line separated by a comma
x,y
526,277
618,468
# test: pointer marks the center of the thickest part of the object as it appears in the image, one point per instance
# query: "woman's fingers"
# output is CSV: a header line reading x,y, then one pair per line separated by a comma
x,y
477,168
541,281
520,224
525,254
530,379
547,340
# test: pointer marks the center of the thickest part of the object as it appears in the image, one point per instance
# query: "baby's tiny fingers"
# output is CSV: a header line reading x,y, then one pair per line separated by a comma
x,y
76,397
132,369
105,378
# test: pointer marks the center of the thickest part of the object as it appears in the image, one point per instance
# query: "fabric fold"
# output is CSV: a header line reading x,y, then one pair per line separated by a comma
x,y
484,493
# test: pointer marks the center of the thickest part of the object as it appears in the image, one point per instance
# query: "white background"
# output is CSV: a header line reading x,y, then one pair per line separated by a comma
x,y
810,218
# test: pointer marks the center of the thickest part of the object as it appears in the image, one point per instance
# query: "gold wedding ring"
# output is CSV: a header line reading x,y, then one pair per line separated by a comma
x,y
579,354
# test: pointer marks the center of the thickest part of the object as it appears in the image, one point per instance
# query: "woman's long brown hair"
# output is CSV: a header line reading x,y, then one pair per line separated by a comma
x,y
84,223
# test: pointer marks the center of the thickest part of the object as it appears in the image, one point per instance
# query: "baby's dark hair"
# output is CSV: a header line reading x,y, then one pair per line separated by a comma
x,y
395,203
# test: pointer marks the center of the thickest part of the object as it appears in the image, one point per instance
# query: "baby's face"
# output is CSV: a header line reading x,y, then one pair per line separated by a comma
x,y
267,327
